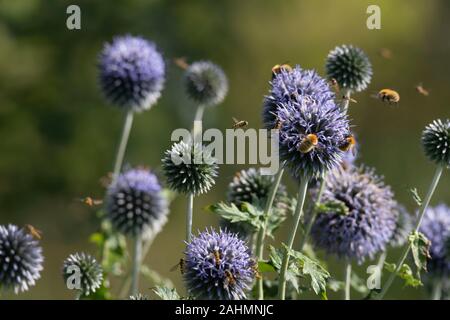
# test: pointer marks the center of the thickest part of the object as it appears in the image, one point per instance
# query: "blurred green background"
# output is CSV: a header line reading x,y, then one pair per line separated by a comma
x,y
58,136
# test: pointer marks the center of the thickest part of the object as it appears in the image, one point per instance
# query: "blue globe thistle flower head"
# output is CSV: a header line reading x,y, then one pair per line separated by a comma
x,y
189,168
206,83
21,259
131,73
361,216
218,266
135,203
436,142
291,86
89,271
436,227
350,66
311,135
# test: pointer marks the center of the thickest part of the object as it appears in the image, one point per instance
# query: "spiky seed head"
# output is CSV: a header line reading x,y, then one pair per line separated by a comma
x,y
189,168
206,83
350,66
436,142
82,269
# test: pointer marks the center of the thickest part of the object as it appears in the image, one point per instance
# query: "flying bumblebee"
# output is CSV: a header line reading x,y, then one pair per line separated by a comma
x,y
388,95
181,63
308,143
89,201
239,123
348,144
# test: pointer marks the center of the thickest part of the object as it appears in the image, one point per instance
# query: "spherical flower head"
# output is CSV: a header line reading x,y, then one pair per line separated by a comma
x,y
131,73
350,66
403,227
253,187
189,168
436,227
292,86
20,259
87,268
303,120
218,266
206,83
135,203
361,217
436,142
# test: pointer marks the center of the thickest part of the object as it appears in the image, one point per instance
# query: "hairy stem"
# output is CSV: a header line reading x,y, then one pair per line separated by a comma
x,y
314,214
297,216
137,259
189,213
348,280
123,144
262,231
423,209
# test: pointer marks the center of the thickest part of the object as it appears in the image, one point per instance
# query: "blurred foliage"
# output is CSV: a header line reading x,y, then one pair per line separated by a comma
x,y
58,135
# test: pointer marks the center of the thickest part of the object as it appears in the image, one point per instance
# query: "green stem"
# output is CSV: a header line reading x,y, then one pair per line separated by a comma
x,y
381,261
189,214
199,113
348,280
262,231
137,259
423,209
437,290
297,216
123,144
314,214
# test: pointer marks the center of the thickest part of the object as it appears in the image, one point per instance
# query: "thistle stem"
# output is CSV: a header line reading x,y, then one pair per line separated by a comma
x,y
262,231
123,144
437,290
423,209
189,213
348,280
314,214
199,113
297,216
346,101
137,259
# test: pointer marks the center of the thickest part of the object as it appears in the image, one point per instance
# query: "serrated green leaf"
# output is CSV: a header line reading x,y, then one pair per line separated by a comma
x,y
247,214
264,266
404,273
420,248
303,266
166,293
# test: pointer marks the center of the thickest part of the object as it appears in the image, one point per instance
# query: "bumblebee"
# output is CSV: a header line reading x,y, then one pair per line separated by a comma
x,y
308,143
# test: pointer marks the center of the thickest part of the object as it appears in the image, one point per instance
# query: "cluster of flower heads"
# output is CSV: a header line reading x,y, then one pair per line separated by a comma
x,y
436,227
218,265
206,83
293,86
350,66
135,203
436,142
189,168
366,219
131,72
253,187
20,259
83,273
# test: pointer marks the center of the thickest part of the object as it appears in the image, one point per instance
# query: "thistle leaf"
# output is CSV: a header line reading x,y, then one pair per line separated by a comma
x,y
420,248
166,293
